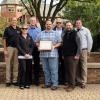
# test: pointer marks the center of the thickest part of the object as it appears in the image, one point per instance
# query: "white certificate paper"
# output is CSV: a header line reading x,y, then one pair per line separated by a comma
x,y
45,45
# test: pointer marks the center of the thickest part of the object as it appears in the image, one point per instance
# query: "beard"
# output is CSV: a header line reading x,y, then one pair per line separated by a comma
x,y
48,28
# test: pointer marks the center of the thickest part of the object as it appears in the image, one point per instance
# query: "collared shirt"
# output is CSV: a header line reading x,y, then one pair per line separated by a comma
x,y
33,32
59,31
86,38
52,36
10,34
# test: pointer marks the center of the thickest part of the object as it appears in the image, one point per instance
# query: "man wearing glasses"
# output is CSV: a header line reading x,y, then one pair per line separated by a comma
x,y
59,30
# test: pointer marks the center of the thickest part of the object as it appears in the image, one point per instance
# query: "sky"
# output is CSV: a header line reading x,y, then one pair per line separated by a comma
x,y
0,1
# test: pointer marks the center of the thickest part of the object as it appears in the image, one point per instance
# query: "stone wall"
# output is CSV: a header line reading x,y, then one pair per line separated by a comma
x,y
93,69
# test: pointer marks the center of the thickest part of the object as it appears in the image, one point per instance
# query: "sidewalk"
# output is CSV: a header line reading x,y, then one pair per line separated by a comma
x,y
92,92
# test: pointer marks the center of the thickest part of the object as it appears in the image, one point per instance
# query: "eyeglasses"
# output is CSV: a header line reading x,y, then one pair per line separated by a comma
x,y
24,28
58,22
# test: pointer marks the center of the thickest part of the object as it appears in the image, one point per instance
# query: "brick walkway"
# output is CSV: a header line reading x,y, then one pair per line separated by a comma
x,y
92,92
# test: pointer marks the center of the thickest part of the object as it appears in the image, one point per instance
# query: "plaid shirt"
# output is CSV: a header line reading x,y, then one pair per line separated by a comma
x,y
52,36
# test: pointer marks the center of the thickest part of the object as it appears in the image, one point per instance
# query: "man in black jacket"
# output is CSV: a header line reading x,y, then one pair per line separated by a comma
x,y
59,29
71,52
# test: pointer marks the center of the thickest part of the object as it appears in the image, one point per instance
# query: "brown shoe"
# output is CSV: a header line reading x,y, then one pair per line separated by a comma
x,y
66,86
70,88
54,87
83,86
46,86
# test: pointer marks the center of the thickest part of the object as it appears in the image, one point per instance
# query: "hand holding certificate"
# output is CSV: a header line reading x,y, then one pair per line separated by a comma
x,y
45,46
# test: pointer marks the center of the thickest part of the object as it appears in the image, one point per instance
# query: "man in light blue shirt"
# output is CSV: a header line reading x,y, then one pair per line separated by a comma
x,y
33,32
86,46
50,58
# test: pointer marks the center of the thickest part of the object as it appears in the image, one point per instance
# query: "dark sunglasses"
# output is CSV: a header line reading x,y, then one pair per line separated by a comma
x,y
24,28
58,22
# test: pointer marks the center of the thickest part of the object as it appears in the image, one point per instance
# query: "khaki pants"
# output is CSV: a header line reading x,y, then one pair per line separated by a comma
x,y
11,65
82,68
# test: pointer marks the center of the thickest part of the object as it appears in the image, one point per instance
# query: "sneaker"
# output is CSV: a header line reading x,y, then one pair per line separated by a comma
x,y
21,87
54,87
8,84
27,86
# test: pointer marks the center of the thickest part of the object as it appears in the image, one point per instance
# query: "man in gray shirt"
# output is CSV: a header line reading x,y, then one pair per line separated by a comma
x,y
86,46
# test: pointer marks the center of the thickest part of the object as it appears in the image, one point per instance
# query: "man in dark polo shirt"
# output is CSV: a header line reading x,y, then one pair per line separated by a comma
x,y
10,52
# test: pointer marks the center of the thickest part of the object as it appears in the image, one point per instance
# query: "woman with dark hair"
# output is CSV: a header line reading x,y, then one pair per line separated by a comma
x,y
25,47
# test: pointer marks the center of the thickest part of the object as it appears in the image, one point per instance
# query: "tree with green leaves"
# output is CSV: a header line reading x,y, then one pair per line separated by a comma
x,y
89,12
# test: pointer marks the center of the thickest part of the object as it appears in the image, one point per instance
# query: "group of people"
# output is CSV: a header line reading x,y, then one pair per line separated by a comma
x,y
65,62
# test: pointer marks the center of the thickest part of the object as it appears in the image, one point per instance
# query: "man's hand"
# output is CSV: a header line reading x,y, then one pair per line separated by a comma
x,y
53,47
27,55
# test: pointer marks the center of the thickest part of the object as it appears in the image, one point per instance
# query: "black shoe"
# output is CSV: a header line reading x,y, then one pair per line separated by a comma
x,y
54,87
8,84
46,86
21,87
27,86
15,84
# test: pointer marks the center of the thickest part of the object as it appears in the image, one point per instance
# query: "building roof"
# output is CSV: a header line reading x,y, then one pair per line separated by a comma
x,y
10,2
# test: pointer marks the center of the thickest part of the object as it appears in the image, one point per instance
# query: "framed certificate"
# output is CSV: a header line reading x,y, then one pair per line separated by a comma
x,y
45,45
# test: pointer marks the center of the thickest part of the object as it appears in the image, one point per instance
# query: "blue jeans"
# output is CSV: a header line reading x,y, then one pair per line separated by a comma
x,y
50,68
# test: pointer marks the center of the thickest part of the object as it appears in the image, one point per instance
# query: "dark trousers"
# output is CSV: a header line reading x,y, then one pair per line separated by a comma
x,y
70,67
25,72
61,68
36,67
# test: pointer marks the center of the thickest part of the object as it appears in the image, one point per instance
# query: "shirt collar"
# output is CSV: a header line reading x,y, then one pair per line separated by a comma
x,y
48,31
57,29
32,27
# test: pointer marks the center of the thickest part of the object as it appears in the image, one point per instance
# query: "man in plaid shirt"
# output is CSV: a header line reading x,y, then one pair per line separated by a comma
x,y
50,58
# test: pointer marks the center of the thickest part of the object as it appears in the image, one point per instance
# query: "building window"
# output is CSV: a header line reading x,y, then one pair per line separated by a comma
x,y
19,10
11,10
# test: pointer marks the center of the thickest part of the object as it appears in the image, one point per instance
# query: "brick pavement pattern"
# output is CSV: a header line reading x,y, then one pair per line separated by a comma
x,y
92,92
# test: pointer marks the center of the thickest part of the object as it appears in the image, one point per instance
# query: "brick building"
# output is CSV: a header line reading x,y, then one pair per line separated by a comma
x,y
11,8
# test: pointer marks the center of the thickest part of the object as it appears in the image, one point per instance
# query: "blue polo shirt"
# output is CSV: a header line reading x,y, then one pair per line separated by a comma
x,y
33,32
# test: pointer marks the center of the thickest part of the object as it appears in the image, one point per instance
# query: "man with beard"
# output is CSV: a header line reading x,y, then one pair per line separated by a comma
x,y
71,52
49,58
